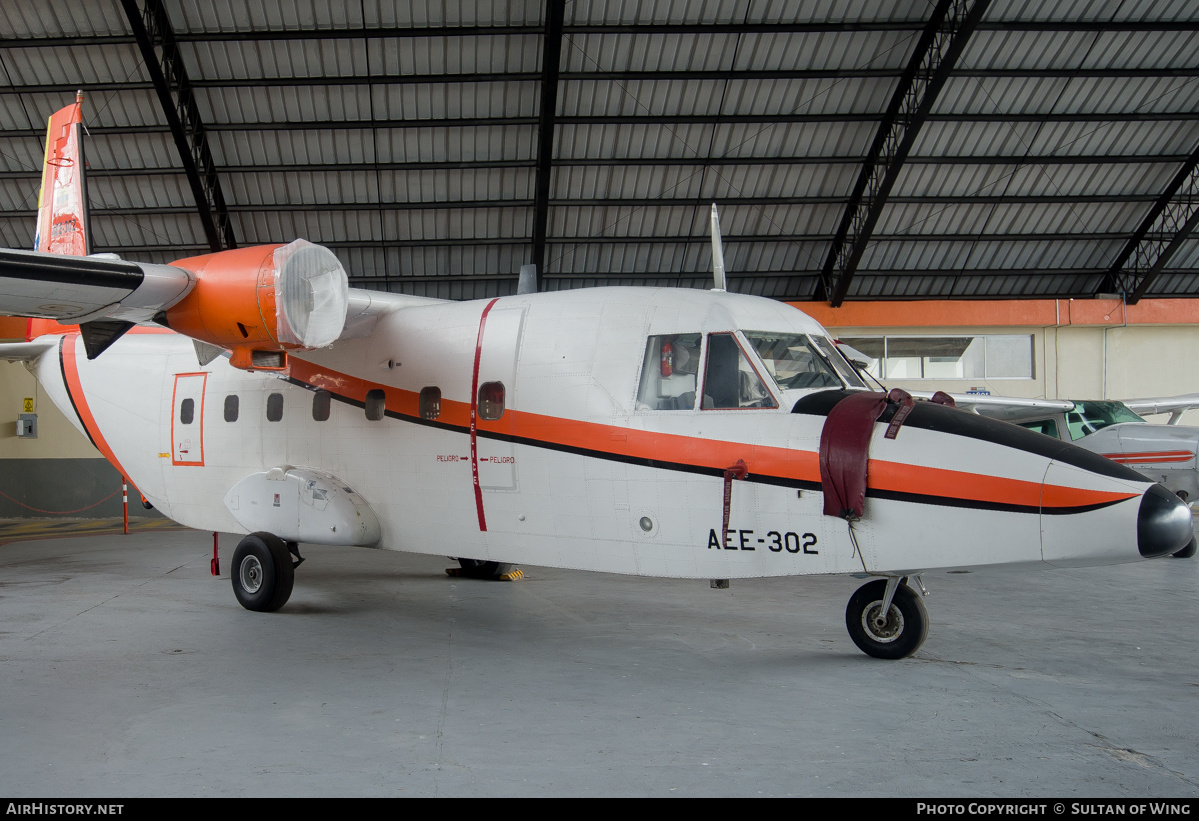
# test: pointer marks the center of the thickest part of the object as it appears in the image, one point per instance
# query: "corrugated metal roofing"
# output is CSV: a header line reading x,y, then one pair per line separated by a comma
x,y
405,136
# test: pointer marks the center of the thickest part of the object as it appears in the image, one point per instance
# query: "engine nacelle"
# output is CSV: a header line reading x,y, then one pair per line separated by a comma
x,y
263,300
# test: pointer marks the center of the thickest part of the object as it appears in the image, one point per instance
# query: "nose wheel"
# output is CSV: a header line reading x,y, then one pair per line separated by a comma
x,y
886,627
262,572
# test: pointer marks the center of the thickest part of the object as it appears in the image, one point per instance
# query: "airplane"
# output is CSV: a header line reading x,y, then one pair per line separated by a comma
x,y
1115,430
648,431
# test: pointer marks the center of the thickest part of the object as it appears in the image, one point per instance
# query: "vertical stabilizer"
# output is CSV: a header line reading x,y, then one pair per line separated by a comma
x,y
62,223
62,226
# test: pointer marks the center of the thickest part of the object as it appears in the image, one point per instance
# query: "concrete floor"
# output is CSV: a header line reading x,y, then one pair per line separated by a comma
x,y
127,670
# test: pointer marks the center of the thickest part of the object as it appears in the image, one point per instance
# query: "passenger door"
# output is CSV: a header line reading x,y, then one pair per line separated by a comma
x,y
187,419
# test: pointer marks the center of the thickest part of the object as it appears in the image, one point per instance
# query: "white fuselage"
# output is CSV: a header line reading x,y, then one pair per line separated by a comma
x,y
575,472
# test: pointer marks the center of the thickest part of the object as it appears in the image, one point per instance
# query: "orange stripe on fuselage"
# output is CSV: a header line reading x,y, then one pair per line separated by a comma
x,y
70,370
763,460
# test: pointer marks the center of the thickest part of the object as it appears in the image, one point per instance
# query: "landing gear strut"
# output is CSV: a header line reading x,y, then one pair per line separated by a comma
x,y
262,572
894,633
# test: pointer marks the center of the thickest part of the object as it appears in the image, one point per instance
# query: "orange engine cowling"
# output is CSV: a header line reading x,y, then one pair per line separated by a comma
x,y
261,301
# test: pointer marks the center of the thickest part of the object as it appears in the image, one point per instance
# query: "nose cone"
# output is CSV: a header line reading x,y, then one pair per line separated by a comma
x,y
1163,523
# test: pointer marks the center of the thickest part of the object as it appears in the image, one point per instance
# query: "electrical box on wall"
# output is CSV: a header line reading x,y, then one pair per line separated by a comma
x,y
27,425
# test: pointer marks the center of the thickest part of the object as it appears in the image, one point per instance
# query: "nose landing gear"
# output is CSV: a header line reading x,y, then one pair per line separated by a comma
x,y
886,619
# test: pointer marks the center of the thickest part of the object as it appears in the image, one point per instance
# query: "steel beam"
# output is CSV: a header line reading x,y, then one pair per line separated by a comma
x,y
815,27
155,37
1164,229
551,59
950,26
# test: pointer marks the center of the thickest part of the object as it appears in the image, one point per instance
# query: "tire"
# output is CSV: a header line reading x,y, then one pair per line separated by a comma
x,y
1187,552
262,572
907,622
479,569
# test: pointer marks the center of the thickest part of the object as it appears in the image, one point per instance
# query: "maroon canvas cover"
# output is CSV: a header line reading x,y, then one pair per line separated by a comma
x,y
844,448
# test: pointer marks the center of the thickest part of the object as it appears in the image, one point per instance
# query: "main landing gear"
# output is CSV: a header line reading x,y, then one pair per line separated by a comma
x,y
886,619
479,569
263,571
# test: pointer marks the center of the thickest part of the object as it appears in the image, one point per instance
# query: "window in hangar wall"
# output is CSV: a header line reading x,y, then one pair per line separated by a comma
x,y
993,356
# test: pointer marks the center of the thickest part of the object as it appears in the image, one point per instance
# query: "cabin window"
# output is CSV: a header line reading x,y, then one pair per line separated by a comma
x,y
321,402
376,404
1045,426
491,400
231,407
274,407
669,372
430,403
187,411
730,380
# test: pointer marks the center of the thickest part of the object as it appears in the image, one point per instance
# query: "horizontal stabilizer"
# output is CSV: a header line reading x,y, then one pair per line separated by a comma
x,y
25,351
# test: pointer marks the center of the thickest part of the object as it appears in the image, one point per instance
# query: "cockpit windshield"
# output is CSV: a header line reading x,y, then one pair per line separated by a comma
x,y
800,362
1089,417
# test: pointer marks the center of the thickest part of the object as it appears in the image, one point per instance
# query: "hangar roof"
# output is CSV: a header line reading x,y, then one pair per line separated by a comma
x,y
857,149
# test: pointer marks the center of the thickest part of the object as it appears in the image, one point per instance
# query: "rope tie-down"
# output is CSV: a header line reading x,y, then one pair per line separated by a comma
x,y
737,471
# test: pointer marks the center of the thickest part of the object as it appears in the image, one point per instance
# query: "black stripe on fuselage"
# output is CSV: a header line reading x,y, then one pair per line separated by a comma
x,y
945,419
66,386
699,470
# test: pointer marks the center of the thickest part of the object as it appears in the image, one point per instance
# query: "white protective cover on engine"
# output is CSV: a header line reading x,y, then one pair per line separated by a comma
x,y
302,505
312,294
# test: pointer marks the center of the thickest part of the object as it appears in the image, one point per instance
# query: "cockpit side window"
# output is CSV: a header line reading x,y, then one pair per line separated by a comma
x,y
795,362
669,372
730,380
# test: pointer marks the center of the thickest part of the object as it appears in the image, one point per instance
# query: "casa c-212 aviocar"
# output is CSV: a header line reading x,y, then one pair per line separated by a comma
x,y
657,432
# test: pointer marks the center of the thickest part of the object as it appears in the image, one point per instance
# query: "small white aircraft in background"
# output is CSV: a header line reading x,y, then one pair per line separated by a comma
x,y
658,432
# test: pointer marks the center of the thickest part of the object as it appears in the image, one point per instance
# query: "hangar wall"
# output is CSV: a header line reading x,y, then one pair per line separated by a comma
x,y
58,474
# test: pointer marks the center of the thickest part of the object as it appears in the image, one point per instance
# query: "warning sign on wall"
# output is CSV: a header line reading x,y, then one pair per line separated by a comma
x,y
28,404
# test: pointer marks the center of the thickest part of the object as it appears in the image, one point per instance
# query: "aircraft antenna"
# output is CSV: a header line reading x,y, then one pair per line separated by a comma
x,y
717,253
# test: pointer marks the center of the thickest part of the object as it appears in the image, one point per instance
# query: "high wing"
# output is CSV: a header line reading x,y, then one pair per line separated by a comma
x,y
1000,406
75,290
1003,407
102,292
1176,406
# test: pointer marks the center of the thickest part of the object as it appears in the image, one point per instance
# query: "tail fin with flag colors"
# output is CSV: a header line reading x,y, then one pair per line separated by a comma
x,y
62,226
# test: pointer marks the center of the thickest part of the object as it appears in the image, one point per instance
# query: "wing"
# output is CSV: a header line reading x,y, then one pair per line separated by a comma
x,y
74,290
1002,407
1176,406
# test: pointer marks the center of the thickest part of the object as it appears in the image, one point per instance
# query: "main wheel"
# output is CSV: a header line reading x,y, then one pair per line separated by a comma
x,y
262,572
1187,552
898,635
479,569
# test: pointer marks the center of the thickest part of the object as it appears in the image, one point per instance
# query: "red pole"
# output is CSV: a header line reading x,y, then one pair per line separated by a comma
x,y
215,565
125,502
